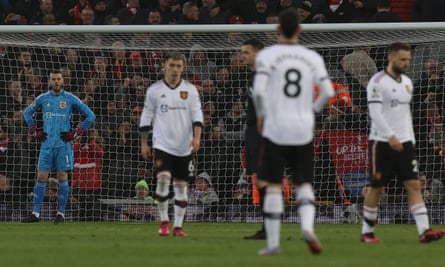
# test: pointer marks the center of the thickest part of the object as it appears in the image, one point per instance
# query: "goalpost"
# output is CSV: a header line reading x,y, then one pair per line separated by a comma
x,y
110,67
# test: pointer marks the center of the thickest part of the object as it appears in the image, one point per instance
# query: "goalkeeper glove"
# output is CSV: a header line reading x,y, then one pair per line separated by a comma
x,y
37,134
71,135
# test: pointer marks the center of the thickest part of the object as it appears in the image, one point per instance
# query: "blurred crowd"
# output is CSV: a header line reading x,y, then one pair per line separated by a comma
x,y
153,12
113,82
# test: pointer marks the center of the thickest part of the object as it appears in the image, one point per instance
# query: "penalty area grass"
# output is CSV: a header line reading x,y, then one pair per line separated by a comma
x,y
208,245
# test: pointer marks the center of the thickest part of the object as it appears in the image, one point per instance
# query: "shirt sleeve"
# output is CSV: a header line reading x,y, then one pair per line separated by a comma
x,y
375,101
195,107
260,83
148,111
30,110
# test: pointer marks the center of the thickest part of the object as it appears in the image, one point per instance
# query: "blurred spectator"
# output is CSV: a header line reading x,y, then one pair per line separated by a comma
x,y
76,11
15,19
45,8
5,144
5,189
119,60
260,13
203,194
199,62
211,13
154,17
77,71
17,156
90,95
34,83
132,13
14,99
136,66
87,16
109,119
403,8
428,10
51,190
170,11
358,67
50,57
111,20
233,124
190,13
432,189
142,191
49,19
208,91
86,177
125,157
210,109
271,37
336,11
19,68
363,10
305,11
281,5
69,84
100,11
241,194
384,13
102,74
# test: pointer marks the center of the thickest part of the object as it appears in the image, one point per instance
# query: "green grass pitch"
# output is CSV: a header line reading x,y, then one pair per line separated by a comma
x,y
209,245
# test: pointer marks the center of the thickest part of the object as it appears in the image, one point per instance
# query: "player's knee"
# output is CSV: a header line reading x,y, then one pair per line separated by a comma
x,y
180,188
163,186
163,176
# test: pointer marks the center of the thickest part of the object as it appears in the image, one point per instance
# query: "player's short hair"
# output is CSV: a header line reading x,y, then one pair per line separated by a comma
x,y
396,47
289,22
174,55
55,72
255,43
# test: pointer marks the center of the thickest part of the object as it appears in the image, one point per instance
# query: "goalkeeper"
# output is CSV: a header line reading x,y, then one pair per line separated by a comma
x,y
56,152
249,50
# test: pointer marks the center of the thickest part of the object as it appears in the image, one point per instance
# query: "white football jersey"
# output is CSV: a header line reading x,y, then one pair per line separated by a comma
x,y
292,70
392,113
172,112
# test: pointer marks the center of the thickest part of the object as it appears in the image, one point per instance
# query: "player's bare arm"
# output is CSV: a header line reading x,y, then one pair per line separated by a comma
x,y
145,148
196,141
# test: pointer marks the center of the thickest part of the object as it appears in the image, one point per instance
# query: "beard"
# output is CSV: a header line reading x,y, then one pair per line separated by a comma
x,y
398,70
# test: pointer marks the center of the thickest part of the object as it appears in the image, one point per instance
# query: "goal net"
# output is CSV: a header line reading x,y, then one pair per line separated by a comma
x,y
109,68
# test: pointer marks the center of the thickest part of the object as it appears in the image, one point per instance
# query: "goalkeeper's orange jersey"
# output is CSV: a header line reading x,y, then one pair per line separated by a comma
x,y
342,97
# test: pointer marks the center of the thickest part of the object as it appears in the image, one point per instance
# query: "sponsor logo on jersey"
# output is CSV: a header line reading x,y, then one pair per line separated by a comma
x,y
183,94
378,176
164,108
374,93
62,104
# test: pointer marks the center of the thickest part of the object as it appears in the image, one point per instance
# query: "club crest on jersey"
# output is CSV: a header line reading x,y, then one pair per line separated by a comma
x,y
62,104
159,163
408,89
183,94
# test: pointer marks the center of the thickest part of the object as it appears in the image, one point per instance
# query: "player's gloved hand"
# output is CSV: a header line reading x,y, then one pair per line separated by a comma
x,y
39,135
71,135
